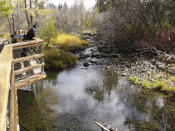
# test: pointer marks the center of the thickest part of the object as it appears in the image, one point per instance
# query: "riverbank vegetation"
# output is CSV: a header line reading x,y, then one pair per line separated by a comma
x,y
136,20
58,46
159,84
57,60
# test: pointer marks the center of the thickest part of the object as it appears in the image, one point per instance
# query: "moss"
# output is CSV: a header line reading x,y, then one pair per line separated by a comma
x,y
133,80
69,42
56,59
159,84
146,84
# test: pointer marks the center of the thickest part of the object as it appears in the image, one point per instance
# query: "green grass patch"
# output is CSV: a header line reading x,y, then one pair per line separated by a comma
x,y
133,80
69,42
162,85
146,84
56,59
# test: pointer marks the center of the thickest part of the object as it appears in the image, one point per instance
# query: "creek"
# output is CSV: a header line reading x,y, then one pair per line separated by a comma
x,y
71,99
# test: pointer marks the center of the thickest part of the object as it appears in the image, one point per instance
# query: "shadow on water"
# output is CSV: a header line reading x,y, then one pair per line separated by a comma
x,y
72,99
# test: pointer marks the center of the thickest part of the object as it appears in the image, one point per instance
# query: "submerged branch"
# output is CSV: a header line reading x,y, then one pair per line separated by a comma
x,y
103,127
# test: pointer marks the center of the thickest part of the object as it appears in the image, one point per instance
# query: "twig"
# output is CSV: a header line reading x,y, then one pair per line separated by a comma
x,y
104,128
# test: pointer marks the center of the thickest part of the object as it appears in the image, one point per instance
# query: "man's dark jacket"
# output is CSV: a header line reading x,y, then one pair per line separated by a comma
x,y
30,34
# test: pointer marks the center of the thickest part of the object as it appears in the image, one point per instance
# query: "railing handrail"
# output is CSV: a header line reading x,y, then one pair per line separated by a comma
x,y
18,60
25,44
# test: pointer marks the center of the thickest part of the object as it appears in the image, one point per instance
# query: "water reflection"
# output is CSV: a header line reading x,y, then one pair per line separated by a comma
x,y
72,99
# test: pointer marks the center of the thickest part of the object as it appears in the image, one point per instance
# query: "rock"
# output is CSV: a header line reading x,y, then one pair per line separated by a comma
x,y
86,64
144,70
107,67
124,74
93,62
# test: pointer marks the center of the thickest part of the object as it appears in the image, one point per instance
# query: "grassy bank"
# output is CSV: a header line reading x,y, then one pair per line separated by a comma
x,y
58,56
159,83
56,59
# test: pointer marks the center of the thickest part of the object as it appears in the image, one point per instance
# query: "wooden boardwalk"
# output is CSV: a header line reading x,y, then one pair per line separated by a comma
x,y
8,75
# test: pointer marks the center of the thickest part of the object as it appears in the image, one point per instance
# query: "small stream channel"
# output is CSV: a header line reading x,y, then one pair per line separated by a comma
x,y
72,99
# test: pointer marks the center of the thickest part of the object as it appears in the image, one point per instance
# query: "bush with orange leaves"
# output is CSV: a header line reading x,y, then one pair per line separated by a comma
x,y
164,40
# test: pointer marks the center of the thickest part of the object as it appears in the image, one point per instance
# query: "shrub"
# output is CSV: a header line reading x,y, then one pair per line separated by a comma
x,y
56,59
167,25
69,42
48,31
164,40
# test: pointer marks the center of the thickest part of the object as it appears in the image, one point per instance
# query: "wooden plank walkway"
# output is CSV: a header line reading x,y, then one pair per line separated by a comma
x,y
5,70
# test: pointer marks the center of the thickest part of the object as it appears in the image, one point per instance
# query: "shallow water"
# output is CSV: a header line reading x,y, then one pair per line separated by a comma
x,y
72,99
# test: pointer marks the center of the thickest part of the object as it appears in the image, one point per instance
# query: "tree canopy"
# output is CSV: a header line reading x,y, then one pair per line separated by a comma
x,y
6,8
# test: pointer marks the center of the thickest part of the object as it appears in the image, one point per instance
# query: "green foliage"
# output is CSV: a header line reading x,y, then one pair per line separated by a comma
x,y
146,84
167,25
162,85
87,23
48,31
6,8
133,80
159,84
56,59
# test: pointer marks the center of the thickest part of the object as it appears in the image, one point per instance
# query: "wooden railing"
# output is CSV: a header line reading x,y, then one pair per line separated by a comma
x,y
19,79
5,71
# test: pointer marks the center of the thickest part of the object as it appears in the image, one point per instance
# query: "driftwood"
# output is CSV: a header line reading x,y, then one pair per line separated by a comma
x,y
104,127
153,49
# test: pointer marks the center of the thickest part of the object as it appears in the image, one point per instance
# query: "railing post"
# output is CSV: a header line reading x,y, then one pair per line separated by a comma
x,y
14,121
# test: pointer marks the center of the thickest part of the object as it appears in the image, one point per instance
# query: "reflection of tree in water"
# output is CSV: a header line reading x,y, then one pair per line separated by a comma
x,y
34,111
52,78
31,117
149,115
109,83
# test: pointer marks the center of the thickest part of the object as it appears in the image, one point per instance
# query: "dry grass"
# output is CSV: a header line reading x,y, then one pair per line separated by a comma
x,y
5,36
69,42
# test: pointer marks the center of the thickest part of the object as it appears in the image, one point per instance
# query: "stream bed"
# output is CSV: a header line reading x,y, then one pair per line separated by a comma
x,y
72,99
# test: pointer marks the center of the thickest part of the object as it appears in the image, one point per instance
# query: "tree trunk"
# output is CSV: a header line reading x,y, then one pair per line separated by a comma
x,y
36,6
10,25
27,16
31,17
13,24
